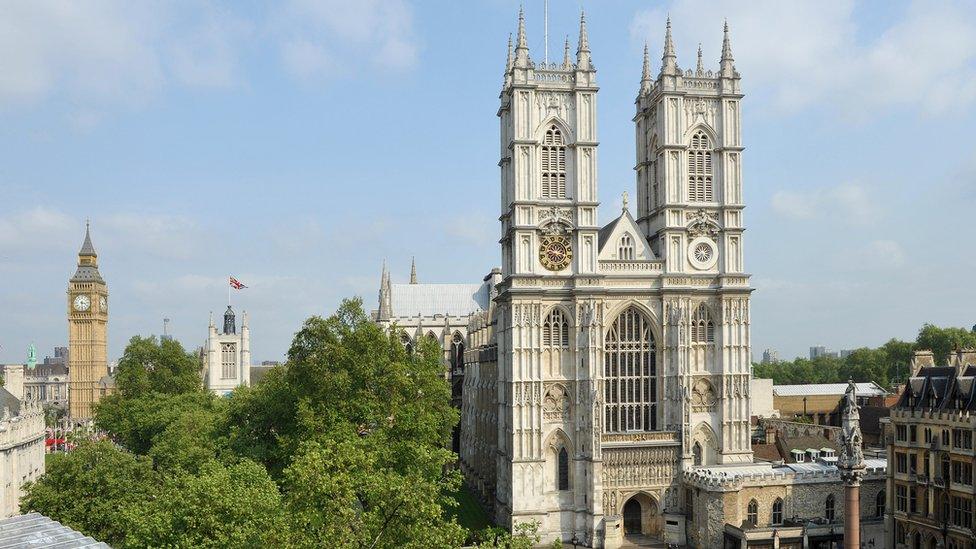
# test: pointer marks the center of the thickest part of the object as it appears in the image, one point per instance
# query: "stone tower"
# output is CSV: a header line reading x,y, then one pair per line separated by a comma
x,y
689,204
227,358
87,333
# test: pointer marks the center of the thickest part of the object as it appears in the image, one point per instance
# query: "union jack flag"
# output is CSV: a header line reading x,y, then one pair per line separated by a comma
x,y
236,284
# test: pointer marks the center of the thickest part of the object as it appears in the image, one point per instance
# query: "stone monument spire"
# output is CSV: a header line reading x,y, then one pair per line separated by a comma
x,y
413,270
669,61
851,466
583,60
522,60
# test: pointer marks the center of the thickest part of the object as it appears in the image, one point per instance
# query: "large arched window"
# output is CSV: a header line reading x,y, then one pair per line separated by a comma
x,y
829,508
555,330
702,327
625,249
630,374
777,518
700,169
553,164
563,469
752,513
879,504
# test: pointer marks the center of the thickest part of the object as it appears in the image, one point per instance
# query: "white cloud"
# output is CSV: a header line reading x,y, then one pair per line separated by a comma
x,y
36,229
806,52
112,53
322,39
850,202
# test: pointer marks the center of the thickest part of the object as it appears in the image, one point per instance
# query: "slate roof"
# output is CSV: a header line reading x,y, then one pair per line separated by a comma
x,y
410,300
940,388
828,389
37,531
604,235
786,445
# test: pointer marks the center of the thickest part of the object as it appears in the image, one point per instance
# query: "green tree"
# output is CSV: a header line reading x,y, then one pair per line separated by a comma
x,y
899,356
356,429
148,365
136,422
223,506
866,365
942,341
91,489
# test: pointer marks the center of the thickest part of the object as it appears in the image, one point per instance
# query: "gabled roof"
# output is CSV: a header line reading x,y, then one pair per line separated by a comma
x,y
10,402
940,388
411,300
612,232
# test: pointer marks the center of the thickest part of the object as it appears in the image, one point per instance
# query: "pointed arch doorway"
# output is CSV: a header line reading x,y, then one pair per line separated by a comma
x,y
641,518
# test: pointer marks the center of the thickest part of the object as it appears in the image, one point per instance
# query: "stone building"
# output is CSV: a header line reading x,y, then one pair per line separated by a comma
x,y
227,355
613,357
21,447
930,482
820,402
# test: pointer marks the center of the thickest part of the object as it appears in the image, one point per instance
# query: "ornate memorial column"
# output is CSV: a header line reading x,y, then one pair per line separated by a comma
x,y
851,465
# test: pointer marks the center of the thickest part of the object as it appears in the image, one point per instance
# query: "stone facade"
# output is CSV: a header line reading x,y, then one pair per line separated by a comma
x,y
718,504
930,494
21,448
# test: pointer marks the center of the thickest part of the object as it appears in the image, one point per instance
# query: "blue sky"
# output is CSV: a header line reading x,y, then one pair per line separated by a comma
x,y
296,145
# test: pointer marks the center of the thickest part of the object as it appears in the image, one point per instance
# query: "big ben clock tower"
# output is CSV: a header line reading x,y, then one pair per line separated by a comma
x,y
87,333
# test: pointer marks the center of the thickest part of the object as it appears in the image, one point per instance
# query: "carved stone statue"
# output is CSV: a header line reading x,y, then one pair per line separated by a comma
x,y
851,459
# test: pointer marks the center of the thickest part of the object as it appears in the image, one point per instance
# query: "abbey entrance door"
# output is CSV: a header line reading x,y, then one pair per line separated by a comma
x,y
632,517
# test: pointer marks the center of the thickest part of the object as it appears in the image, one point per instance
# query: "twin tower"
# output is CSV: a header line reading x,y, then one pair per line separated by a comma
x,y
615,357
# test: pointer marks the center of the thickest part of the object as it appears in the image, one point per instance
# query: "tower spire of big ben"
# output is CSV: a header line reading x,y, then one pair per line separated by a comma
x,y
87,333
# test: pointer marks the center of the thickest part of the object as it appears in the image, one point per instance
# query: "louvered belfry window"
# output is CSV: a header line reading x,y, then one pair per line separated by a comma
x,y
553,164
630,374
700,169
555,330
702,327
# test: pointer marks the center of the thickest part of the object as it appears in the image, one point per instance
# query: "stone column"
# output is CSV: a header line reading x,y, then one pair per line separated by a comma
x,y
852,511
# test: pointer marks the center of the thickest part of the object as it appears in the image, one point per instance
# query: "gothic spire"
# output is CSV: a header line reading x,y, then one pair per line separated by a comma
x,y
669,61
583,61
727,65
567,63
413,270
646,81
521,46
384,297
700,68
511,55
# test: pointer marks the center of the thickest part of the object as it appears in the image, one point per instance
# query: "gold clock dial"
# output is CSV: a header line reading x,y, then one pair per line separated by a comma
x,y
555,252
102,303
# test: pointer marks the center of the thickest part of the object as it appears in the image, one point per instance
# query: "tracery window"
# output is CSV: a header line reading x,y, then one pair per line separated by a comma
x,y
457,351
555,329
879,504
553,164
228,360
625,250
700,169
752,513
563,469
829,508
702,327
777,512
630,374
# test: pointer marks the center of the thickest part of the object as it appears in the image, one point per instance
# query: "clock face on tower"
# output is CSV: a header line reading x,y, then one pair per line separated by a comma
x,y
82,303
102,304
555,252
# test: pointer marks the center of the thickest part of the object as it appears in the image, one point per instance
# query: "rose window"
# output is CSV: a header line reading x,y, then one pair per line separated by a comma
x,y
703,252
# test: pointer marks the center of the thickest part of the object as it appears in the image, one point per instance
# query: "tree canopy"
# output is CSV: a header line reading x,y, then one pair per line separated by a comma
x,y
346,442
885,365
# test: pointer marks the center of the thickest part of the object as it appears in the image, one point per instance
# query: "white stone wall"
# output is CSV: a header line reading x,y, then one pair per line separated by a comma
x,y
213,361
21,455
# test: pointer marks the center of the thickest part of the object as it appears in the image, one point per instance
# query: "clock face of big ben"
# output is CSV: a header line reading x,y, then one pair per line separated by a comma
x,y
82,303
555,252
102,303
